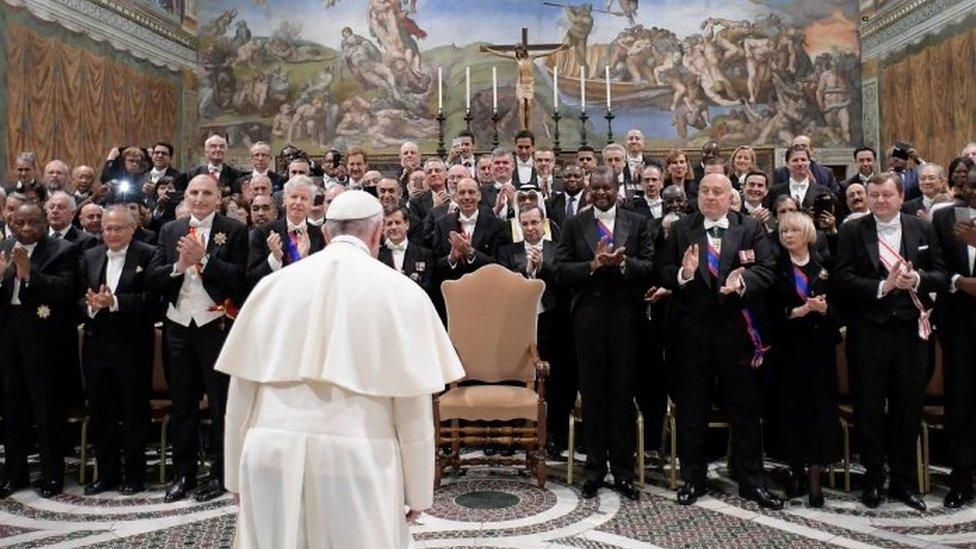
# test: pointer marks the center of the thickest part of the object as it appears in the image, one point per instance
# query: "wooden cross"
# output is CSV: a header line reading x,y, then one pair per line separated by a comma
x,y
525,44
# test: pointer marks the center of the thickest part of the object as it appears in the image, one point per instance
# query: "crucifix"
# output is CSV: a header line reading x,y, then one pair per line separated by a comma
x,y
524,54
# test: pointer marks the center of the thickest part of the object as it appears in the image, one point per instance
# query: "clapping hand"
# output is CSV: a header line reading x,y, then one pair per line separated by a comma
x,y
606,255
689,263
655,294
3,262
534,259
734,283
817,304
274,245
21,262
191,251
101,300
304,244
441,197
460,246
891,282
907,277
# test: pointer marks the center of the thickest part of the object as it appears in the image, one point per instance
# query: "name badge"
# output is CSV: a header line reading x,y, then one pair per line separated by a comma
x,y
747,256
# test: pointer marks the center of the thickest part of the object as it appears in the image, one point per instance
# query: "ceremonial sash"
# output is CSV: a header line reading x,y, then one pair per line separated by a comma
x,y
604,233
889,258
291,248
801,283
752,327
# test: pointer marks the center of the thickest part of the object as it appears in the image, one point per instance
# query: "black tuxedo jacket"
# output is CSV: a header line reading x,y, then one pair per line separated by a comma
x,y
913,206
421,204
512,257
577,248
490,234
859,270
229,181
418,263
697,307
556,206
170,172
823,176
277,180
257,256
224,275
138,303
517,181
959,307
813,191
50,292
83,240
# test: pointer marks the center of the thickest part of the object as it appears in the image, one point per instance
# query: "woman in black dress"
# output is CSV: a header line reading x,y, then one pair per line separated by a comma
x,y
806,341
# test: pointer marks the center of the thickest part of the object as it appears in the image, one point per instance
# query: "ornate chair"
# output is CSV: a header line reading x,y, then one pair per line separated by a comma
x,y
933,413
492,316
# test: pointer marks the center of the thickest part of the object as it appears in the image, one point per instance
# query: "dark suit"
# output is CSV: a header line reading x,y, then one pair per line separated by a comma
x,y
823,176
277,180
713,340
909,181
554,336
915,205
31,369
958,327
556,206
813,191
605,307
257,257
418,263
229,181
81,239
192,350
888,356
518,181
118,360
490,233
421,204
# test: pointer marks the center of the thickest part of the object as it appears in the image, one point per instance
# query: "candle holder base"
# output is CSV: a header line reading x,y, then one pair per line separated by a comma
x,y
583,117
494,126
467,119
441,150
609,117
556,149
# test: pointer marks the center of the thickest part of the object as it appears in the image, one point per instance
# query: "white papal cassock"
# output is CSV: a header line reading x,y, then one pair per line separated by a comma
x,y
329,428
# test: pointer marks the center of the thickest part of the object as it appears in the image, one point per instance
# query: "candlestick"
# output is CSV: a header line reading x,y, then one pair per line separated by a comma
x,y
608,85
609,116
555,87
494,125
556,149
494,89
582,118
582,89
441,150
440,90
467,89
467,119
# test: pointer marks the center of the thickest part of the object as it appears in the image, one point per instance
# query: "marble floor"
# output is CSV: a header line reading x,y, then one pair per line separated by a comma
x,y
505,509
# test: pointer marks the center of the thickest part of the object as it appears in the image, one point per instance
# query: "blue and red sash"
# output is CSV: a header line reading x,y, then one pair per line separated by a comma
x,y
604,233
801,283
291,248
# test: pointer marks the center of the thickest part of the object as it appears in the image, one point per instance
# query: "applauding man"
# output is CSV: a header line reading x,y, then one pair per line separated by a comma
x,y
287,240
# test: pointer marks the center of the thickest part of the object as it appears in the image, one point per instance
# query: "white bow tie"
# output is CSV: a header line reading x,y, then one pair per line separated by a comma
x,y
890,227
401,247
654,202
200,224
115,255
720,223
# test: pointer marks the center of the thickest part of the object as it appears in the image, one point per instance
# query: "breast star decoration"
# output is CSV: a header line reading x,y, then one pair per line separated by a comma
x,y
220,239
43,312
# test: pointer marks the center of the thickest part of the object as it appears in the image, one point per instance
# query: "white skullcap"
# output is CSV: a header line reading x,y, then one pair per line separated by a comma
x,y
353,204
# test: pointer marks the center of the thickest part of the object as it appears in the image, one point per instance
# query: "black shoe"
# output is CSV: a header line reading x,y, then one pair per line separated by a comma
x,y
590,488
816,500
626,489
690,492
762,496
796,481
554,452
490,450
130,487
957,498
8,487
100,486
909,498
653,460
872,497
50,488
179,488
212,489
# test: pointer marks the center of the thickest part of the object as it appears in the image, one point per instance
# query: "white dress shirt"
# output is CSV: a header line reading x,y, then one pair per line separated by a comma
x,y
59,234
573,202
971,257
155,175
468,223
524,169
656,205
215,170
798,189
608,218
15,297
193,302
113,272
398,251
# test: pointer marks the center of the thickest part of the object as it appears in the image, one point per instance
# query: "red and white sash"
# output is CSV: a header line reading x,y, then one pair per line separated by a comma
x,y
889,258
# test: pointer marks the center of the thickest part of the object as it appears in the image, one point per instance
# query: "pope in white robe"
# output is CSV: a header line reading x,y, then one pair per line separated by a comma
x,y
329,437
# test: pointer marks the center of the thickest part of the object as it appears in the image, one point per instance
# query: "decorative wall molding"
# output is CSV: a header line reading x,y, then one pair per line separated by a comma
x,y
871,112
909,24
145,35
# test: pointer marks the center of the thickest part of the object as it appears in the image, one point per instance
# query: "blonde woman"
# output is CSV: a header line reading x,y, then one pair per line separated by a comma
x,y
743,161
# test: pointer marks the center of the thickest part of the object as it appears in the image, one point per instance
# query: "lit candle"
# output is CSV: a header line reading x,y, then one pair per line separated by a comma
x,y
440,90
608,86
555,87
467,88
494,90
582,89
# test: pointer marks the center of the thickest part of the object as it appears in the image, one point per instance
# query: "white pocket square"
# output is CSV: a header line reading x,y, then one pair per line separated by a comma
x,y
923,248
139,268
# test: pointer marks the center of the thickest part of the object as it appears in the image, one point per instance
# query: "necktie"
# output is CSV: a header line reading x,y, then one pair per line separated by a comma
x,y
569,206
715,232
58,235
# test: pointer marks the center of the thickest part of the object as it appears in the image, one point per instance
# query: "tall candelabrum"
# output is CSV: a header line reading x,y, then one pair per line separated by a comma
x,y
556,149
583,117
494,125
441,150
609,116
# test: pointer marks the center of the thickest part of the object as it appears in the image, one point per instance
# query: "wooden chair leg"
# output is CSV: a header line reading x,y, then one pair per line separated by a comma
x,y
847,454
84,452
571,451
830,475
919,473
926,457
162,449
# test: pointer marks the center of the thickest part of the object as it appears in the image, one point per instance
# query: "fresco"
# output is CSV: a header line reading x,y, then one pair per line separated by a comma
x,y
371,73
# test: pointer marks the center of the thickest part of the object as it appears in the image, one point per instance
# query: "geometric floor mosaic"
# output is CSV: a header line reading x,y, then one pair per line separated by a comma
x,y
482,509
